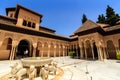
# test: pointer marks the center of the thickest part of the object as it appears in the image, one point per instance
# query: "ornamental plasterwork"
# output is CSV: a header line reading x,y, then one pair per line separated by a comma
x,y
9,35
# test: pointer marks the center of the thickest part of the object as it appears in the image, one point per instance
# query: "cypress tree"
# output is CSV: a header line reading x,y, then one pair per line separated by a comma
x,y
84,18
111,16
101,19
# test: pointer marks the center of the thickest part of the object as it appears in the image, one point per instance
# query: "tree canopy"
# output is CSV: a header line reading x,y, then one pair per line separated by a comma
x,y
101,19
111,17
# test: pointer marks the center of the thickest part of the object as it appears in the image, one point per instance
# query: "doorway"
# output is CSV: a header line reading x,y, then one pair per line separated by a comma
x,y
95,51
23,49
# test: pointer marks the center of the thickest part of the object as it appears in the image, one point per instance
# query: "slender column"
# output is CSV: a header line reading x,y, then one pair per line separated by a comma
x,y
42,49
11,53
55,51
34,49
49,50
104,53
81,51
63,50
34,52
14,53
92,51
85,51
0,43
100,53
59,50
13,50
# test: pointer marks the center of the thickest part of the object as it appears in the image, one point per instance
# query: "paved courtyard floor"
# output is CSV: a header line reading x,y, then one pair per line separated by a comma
x,y
77,69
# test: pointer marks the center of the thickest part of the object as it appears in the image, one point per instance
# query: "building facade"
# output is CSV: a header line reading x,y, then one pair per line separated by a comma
x,y
21,31
98,41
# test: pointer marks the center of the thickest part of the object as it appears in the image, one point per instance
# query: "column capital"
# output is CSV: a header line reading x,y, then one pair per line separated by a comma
x,y
49,46
42,45
14,43
0,43
34,45
55,46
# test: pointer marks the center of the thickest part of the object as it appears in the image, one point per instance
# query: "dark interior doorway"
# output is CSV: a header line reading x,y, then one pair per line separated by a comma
x,y
23,49
95,51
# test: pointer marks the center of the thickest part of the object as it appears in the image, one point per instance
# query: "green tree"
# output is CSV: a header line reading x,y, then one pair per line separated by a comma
x,y
111,16
101,19
84,18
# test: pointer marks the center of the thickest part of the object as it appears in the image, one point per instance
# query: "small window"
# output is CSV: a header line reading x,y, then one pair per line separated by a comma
x,y
29,24
33,25
24,23
11,15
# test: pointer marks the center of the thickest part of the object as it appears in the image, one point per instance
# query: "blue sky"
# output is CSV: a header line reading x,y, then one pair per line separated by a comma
x,y
64,16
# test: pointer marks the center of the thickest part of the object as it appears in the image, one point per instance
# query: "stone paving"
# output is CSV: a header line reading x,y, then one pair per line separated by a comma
x,y
77,69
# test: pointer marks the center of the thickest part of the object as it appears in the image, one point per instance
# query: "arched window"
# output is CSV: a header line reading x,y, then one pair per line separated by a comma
x,y
33,25
88,49
111,49
24,23
29,24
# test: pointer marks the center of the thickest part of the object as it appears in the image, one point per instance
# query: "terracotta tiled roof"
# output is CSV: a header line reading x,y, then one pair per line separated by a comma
x,y
47,29
87,26
19,6
116,27
103,25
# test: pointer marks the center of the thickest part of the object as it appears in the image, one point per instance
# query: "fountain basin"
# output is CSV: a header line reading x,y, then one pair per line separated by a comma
x,y
36,61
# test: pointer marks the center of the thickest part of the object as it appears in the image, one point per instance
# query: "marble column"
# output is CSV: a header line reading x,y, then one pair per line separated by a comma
x,y
55,51
100,53
85,48
81,51
0,43
42,50
49,50
34,49
63,51
59,50
92,51
13,50
104,53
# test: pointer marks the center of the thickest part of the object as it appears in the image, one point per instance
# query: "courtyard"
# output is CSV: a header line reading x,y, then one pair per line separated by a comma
x,y
77,69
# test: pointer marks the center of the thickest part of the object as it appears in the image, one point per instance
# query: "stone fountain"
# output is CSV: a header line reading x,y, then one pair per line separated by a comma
x,y
36,61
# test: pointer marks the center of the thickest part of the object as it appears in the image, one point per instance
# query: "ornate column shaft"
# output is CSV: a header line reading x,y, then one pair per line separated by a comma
x,y
55,51
59,50
0,43
42,50
13,50
34,49
99,53
85,51
104,53
92,51
63,51
49,50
